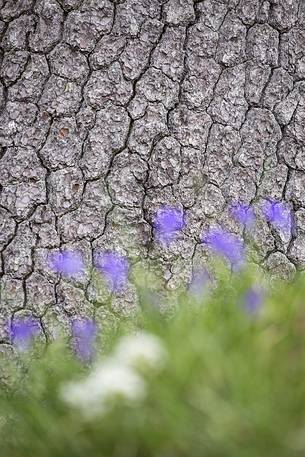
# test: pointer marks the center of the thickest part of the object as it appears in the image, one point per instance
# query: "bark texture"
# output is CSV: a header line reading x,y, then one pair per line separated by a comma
x,y
112,108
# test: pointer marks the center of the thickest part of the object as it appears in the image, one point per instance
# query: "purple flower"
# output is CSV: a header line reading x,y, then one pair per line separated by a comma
x,y
253,299
115,269
279,215
168,222
199,283
152,299
226,245
67,263
84,334
22,332
243,213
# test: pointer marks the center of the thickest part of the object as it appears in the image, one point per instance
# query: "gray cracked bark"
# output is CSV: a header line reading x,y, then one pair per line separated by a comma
x,y
111,108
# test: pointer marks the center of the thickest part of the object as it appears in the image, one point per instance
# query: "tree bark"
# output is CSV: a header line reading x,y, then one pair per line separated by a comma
x,y
110,109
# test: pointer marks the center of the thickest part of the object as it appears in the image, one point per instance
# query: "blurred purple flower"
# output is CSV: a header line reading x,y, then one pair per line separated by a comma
x,y
22,332
226,245
67,263
253,299
153,299
168,222
243,213
199,283
279,215
115,269
84,332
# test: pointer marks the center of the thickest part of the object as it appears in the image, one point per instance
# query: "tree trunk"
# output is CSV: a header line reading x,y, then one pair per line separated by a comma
x,y
110,109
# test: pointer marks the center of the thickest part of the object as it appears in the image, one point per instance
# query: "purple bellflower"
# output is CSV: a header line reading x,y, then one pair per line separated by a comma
x,y
279,215
243,214
67,263
226,245
23,331
84,332
168,222
253,299
199,283
114,267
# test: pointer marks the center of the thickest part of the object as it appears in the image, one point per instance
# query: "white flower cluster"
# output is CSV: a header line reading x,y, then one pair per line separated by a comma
x,y
142,349
117,377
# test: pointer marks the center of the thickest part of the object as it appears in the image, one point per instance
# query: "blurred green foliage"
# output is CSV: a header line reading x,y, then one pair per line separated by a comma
x,y
233,383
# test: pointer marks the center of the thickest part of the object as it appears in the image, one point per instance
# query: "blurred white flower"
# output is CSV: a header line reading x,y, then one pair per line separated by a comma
x,y
108,381
142,349
78,395
115,377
